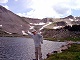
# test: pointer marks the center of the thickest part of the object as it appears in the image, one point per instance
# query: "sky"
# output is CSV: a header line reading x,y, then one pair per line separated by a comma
x,y
43,8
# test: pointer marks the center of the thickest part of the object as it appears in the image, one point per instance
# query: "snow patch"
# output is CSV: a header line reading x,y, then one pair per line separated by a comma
x,y
45,25
0,25
71,19
8,32
23,32
31,27
57,27
41,23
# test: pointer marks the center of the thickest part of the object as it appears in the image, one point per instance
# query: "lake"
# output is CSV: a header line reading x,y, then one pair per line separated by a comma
x,y
17,48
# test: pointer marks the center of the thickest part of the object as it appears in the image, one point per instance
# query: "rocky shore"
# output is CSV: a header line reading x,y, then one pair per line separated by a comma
x,y
61,49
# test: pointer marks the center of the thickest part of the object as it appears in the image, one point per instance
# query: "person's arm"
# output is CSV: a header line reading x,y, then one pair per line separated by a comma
x,y
29,33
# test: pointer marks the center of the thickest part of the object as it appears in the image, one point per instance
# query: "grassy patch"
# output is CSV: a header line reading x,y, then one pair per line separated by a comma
x,y
71,39
64,39
73,53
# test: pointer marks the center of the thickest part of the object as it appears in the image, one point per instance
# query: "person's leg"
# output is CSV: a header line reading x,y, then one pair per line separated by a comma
x,y
40,53
36,53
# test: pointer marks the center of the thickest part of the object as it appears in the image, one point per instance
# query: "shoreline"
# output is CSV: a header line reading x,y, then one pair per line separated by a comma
x,y
72,53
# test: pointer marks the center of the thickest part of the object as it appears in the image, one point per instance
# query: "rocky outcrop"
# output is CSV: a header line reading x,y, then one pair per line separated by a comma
x,y
69,17
45,20
31,20
65,32
57,34
61,23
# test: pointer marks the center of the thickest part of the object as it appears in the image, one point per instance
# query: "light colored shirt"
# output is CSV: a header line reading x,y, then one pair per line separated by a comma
x,y
38,39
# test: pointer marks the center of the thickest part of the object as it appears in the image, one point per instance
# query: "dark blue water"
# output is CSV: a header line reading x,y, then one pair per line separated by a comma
x,y
12,48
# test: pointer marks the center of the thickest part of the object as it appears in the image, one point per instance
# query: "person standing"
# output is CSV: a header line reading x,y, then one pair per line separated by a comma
x,y
38,40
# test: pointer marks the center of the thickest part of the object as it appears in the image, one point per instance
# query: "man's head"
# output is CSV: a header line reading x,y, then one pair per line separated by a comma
x,y
34,31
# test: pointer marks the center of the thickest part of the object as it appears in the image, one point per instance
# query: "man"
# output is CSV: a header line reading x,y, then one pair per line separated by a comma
x,y
38,40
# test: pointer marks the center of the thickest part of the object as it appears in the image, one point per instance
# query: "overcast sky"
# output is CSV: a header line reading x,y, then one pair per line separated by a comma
x,y
43,8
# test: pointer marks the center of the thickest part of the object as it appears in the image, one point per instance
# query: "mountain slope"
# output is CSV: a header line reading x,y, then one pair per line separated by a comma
x,y
11,22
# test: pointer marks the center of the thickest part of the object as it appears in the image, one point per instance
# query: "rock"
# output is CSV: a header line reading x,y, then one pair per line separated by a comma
x,y
48,55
